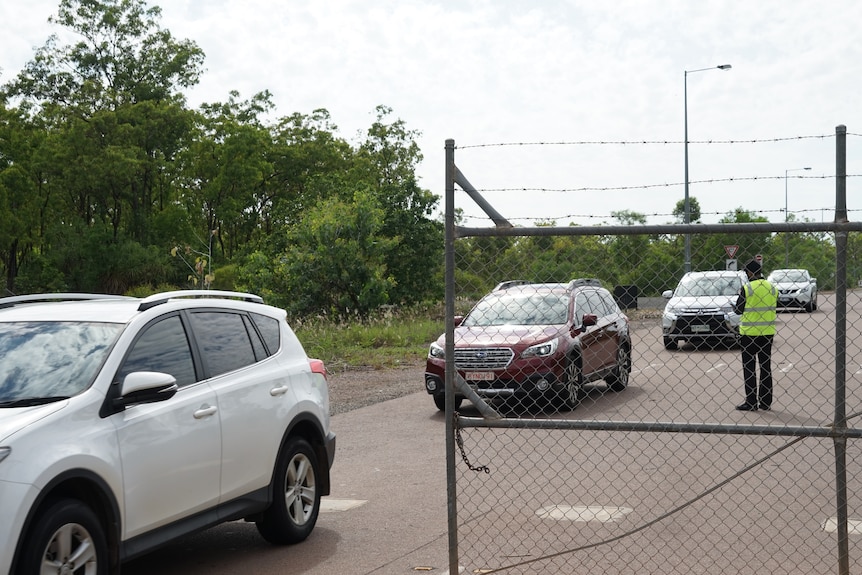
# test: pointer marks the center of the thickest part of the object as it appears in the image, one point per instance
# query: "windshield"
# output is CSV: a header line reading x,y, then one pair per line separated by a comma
x,y
51,359
706,286
788,276
520,309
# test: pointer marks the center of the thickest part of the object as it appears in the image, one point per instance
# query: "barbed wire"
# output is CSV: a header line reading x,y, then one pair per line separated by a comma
x,y
650,142
665,185
653,215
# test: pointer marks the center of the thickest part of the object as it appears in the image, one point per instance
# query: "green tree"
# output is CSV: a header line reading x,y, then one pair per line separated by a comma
x,y
335,262
113,120
20,201
225,170
309,164
708,251
387,160
693,210
123,57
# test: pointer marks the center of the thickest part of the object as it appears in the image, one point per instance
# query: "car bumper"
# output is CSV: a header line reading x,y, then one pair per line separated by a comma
x,y
15,500
699,327
534,383
794,300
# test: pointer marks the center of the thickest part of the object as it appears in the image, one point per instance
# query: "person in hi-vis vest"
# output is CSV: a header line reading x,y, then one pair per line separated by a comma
x,y
756,302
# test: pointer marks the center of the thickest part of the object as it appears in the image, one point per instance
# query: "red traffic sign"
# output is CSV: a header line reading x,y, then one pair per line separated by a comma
x,y
731,251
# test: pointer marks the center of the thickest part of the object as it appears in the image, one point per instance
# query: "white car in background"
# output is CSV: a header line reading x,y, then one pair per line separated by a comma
x,y
126,423
796,288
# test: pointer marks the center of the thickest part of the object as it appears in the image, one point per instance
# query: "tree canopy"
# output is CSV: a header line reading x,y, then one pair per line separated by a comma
x,y
110,183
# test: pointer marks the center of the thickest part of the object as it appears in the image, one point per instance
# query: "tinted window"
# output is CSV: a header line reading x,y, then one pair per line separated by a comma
x,y
581,307
163,347
608,302
269,329
223,340
256,343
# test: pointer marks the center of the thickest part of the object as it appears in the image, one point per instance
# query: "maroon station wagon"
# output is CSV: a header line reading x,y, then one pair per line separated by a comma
x,y
540,340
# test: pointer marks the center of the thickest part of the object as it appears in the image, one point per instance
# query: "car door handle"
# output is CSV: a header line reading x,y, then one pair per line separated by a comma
x,y
205,411
276,391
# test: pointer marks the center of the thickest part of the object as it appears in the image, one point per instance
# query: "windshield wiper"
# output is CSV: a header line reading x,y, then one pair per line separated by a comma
x,y
31,401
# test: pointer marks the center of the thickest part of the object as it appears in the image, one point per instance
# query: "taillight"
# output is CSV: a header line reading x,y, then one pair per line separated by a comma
x,y
317,366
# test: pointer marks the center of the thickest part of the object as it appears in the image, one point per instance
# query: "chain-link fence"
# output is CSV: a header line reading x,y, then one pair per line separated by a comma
x,y
592,418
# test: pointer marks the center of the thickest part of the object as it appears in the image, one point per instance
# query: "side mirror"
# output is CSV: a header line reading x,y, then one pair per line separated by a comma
x,y
457,320
146,387
667,294
590,319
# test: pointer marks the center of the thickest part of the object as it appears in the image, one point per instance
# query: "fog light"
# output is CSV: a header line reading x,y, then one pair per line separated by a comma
x,y
543,385
431,384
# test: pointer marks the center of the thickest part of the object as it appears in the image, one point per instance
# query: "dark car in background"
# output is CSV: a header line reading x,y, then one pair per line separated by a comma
x,y
541,340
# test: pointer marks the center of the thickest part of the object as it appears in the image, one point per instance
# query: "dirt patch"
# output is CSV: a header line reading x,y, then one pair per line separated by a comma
x,y
356,387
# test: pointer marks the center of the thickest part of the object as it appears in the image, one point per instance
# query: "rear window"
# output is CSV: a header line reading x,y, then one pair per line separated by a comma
x,y
270,331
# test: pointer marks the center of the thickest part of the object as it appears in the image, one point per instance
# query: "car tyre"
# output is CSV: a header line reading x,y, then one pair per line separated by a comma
x,y
573,391
293,512
618,380
67,537
669,343
440,402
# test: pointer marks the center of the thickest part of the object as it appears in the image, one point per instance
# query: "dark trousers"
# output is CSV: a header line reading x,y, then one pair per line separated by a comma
x,y
757,349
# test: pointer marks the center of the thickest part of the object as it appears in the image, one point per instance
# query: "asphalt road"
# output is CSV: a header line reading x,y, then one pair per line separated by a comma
x,y
387,512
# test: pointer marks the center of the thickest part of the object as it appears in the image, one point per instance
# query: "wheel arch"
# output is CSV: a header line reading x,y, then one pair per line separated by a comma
x,y
91,490
308,428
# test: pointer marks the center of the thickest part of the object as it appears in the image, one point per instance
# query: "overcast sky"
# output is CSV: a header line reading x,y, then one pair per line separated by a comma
x,y
489,74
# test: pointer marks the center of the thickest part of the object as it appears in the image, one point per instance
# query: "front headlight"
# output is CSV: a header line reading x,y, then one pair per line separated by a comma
x,y
436,352
542,349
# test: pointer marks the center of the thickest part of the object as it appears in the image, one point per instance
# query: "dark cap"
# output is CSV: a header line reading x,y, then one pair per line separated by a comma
x,y
753,267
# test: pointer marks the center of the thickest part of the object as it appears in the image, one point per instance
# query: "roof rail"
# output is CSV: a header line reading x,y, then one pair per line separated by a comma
x,y
45,297
585,282
510,283
160,298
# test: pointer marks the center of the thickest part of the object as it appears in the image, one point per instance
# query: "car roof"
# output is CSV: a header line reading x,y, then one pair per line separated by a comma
x,y
103,307
714,274
525,286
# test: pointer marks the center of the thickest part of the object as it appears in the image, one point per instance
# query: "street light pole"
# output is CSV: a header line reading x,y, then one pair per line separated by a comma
x,y
787,217
687,207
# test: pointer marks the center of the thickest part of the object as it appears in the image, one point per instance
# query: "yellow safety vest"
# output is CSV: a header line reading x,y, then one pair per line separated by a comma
x,y
758,317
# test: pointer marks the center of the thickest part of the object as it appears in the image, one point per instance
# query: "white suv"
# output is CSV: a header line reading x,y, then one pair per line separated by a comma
x,y
125,423
700,309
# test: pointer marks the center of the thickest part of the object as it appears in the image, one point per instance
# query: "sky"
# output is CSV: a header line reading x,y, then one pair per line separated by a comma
x,y
560,110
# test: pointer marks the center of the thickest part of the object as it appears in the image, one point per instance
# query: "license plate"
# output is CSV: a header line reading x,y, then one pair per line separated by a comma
x,y
479,376
699,328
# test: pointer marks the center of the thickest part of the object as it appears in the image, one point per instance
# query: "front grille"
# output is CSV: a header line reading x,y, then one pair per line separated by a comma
x,y
482,358
691,324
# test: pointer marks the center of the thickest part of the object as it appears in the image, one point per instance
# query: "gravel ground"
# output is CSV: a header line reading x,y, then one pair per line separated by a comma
x,y
358,387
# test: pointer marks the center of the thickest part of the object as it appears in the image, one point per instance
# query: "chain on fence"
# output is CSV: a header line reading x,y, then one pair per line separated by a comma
x,y
604,434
